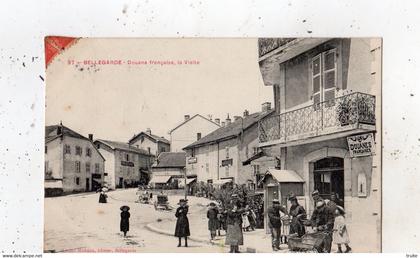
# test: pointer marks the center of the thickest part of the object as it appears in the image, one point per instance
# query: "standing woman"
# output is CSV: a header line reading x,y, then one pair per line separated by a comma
x,y
234,235
212,215
182,229
125,219
298,215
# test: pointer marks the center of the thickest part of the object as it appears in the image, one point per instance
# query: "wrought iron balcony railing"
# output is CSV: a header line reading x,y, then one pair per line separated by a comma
x,y
341,114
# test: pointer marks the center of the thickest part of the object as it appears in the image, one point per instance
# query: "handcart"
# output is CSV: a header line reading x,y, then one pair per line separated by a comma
x,y
308,243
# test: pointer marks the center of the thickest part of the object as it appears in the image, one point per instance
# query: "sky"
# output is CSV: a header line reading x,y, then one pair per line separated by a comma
x,y
115,102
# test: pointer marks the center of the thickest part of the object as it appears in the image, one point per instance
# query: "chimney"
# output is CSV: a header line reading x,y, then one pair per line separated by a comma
x,y
228,120
217,120
186,117
266,106
223,124
148,131
236,118
246,113
90,137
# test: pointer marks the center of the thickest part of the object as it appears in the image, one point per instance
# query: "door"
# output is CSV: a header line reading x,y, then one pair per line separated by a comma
x,y
87,184
324,77
120,182
329,177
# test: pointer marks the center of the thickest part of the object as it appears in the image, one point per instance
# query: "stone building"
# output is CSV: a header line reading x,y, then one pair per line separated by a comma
x,y
152,143
222,155
72,162
326,124
126,166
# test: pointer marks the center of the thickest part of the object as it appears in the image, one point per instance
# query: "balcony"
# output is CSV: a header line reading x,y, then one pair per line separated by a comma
x,y
355,111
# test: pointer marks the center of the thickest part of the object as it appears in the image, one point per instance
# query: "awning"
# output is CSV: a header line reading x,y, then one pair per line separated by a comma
x,y
222,181
53,184
283,176
189,181
160,179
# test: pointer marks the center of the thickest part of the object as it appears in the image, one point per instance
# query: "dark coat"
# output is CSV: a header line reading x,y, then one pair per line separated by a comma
x,y
274,220
102,198
182,228
323,217
125,223
213,220
296,226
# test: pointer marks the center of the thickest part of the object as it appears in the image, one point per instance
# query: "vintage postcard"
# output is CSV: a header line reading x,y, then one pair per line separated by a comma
x,y
213,145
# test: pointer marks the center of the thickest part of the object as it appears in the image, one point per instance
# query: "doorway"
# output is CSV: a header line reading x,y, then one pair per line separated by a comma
x,y
87,184
329,178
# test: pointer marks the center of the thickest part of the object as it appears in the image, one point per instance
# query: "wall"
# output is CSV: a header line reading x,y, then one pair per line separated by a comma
x,y
246,150
187,133
147,143
167,172
69,168
108,154
54,157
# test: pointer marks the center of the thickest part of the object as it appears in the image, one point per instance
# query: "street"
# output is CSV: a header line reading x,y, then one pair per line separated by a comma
x,y
78,223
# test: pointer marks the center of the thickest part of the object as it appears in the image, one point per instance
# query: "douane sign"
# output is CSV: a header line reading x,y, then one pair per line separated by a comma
x,y
361,145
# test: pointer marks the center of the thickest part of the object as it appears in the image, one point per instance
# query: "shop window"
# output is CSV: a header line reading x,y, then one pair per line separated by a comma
x,y
361,185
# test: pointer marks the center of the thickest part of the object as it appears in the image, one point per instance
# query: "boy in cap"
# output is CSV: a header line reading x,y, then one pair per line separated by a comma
x,y
274,223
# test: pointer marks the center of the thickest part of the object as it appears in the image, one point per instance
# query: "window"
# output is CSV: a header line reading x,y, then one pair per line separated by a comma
x,y
227,152
46,149
227,171
324,77
87,167
207,168
77,166
148,150
162,149
78,150
96,168
67,149
255,150
88,152
198,136
256,169
127,157
77,181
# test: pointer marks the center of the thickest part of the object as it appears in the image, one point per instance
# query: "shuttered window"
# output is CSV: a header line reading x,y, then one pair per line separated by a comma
x,y
324,77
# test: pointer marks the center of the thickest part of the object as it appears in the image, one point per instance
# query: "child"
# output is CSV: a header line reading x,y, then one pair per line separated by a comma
x,y
340,234
125,216
213,224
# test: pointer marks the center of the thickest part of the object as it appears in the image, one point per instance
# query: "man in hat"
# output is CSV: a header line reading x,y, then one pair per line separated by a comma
x,y
274,223
323,220
298,215
316,197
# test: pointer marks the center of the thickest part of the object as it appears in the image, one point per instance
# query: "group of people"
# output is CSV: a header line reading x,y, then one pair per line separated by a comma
x,y
327,217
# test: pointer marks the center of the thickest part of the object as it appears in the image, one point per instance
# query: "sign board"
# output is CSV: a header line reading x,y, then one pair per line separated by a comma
x,y
127,163
361,145
192,160
227,162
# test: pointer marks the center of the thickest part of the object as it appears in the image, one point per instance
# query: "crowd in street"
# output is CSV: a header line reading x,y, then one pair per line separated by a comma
x,y
236,210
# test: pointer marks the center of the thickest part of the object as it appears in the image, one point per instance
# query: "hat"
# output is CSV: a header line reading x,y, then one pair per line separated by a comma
x,y
315,193
320,204
212,204
182,201
340,209
292,198
124,208
276,201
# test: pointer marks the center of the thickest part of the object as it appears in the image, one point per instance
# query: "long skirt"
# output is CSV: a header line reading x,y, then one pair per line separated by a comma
x,y
234,234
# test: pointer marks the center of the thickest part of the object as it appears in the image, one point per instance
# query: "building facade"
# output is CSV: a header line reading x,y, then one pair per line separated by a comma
x,y
126,166
153,144
327,122
221,155
169,170
72,162
190,130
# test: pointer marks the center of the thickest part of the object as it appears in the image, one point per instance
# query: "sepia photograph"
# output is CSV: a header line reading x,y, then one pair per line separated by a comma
x,y
213,145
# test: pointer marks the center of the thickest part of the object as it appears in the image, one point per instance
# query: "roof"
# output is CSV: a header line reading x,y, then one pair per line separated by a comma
x,y
191,118
284,176
171,160
160,179
222,181
123,146
153,137
51,133
230,131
